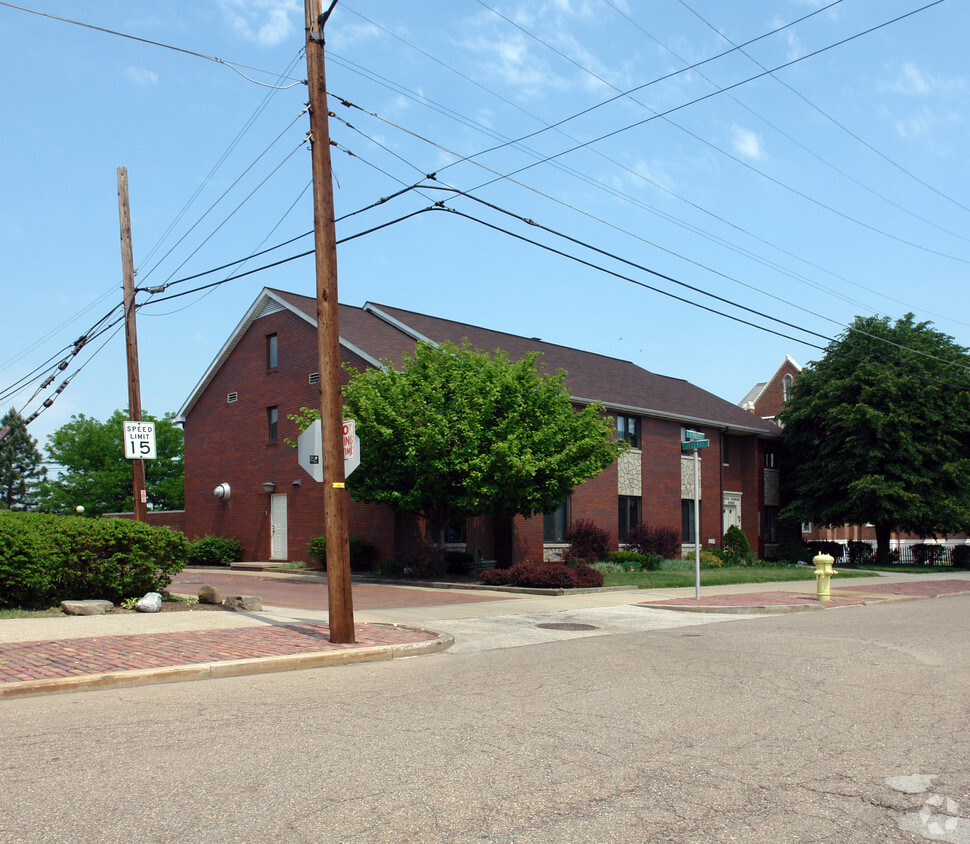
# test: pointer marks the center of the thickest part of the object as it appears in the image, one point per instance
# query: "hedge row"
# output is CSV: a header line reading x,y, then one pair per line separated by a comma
x,y
47,559
544,576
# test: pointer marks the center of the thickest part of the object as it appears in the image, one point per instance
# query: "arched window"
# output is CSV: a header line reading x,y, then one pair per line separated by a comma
x,y
786,383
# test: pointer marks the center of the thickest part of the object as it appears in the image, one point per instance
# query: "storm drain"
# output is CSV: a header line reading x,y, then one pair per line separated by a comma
x,y
567,625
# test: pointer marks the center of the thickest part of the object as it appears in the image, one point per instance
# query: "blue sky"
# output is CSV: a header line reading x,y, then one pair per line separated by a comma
x,y
834,186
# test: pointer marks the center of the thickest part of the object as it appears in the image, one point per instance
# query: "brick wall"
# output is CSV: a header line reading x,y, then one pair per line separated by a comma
x,y
771,402
227,443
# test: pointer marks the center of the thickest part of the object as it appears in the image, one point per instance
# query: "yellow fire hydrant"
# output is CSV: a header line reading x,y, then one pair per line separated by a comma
x,y
823,574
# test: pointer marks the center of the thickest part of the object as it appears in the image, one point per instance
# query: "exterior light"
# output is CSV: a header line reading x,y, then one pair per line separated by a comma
x,y
269,486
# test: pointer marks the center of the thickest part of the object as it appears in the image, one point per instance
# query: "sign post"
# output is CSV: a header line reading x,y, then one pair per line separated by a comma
x,y
694,442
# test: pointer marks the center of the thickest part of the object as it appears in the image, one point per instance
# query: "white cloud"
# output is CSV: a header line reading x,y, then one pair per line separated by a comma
x,y
913,81
141,76
265,22
747,143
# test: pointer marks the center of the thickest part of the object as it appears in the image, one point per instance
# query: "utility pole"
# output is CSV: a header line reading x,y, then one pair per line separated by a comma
x,y
131,342
341,604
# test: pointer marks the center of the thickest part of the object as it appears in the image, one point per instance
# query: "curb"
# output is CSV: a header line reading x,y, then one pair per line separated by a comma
x,y
751,609
229,668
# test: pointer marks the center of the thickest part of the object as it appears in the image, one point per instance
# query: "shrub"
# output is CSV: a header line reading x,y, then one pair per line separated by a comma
x,y
458,562
362,553
735,542
426,563
541,576
587,542
861,553
708,557
927,555
545,576
389,568
496,577
632,561
736,549
586,577
610,568
45,559
654,539
214,550
960,556
793,551
830,547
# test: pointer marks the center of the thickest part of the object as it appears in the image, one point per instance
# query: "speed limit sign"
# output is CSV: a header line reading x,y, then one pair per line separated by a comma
x,y
140,440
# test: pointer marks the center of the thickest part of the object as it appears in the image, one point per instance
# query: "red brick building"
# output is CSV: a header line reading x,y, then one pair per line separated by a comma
x,y
768,398
236,426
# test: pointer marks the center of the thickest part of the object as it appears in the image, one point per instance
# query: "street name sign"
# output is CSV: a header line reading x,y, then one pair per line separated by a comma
x,y
692,444
694,435
139,440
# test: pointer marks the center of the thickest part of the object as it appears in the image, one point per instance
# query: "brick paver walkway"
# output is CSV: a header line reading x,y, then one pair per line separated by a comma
x,y
22,661
308,594
918,588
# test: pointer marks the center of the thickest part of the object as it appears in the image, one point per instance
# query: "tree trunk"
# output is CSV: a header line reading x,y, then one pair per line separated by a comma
x,y
883,534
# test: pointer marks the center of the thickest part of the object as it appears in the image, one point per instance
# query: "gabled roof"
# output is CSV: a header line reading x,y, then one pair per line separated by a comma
x,y
380,333
755,393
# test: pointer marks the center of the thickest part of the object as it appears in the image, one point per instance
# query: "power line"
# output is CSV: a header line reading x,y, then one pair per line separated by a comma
x,y
824,114
234,66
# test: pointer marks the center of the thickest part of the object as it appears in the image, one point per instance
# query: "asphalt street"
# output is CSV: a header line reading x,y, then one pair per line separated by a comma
x,y
847,725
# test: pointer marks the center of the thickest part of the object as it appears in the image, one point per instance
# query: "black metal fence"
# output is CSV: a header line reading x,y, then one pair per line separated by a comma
x,y
858,553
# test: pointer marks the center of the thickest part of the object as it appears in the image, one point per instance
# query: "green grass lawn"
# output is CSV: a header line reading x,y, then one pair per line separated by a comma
x,y
15,613
719,576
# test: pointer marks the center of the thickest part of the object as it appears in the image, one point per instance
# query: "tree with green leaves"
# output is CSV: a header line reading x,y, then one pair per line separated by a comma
x,y
878,432
95,474
456,433
21,464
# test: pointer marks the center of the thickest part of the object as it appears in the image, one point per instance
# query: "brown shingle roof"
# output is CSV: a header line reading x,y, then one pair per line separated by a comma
x,y
387,333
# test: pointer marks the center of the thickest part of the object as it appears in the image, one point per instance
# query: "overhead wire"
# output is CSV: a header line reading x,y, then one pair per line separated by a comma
x,y
234,66
664,114
471,158
240,134
816,108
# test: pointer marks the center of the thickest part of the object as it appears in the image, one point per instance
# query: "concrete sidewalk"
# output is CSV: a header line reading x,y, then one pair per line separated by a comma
x,y
60,654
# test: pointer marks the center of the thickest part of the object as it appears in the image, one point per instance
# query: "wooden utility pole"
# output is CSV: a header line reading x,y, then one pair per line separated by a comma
x,y
131,341
341,602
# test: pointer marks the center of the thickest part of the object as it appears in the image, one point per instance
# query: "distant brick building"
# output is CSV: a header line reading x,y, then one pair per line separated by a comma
x,y
768,398
236,425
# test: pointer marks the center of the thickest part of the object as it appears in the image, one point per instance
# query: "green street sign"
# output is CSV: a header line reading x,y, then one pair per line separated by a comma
x,y
694,435
692,444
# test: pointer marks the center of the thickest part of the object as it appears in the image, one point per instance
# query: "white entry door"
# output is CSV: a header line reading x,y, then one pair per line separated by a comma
x,y
731,512
277,527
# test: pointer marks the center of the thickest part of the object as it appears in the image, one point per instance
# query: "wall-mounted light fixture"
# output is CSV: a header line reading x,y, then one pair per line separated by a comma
x,y
269,486
297,482
222,492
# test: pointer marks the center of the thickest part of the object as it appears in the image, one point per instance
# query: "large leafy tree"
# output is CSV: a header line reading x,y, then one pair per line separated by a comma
x,y
456,433
95,473
21,464
878,432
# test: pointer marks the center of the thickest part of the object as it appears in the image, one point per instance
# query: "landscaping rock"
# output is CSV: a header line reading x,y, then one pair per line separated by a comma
x,y
87,607
250,603
152,602
210,595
